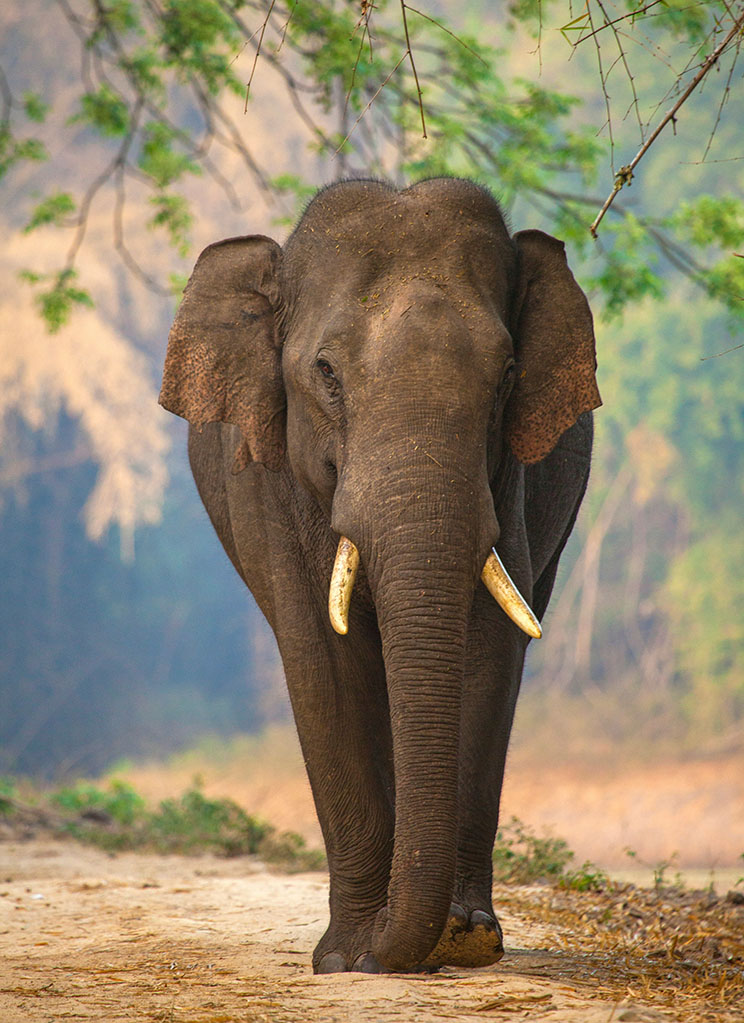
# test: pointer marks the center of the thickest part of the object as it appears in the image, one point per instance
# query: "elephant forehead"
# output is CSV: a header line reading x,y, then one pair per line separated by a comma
x,y
347,259
354,251
371,296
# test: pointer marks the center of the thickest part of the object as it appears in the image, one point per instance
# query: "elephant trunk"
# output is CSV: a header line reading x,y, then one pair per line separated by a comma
x,y
422,568
423,631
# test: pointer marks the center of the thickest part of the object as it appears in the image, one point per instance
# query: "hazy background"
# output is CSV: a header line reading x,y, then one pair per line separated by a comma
x,y
125,632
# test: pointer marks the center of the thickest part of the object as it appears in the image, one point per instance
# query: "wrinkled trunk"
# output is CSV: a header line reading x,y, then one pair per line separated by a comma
x,y
422,555
423,625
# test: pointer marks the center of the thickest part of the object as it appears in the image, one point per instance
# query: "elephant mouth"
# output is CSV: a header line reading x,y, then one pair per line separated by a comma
x,y
494,575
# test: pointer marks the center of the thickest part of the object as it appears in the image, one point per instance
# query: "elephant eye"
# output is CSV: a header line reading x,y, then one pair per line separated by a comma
x,y
326,369
507,380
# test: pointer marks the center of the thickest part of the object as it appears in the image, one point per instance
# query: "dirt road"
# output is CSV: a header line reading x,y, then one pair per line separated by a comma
x,y
88,936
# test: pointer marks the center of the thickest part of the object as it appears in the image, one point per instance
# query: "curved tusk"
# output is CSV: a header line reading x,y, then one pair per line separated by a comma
x,y
507,596
342,583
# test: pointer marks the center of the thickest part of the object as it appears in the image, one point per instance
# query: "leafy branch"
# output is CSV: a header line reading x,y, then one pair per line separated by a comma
x,y
625,175
160,78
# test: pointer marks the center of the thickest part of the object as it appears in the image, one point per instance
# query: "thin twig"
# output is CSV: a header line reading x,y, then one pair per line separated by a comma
x,y
409,54
616,21
257,55
625,174
622,56
724,99
718,355
285,26
120,245
365,32
455,37
351,131
606,95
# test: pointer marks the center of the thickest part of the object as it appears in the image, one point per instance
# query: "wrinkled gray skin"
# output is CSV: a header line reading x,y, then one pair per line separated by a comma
x,y
404,374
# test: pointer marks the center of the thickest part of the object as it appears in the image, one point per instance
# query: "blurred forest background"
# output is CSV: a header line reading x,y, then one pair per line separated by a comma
x,y
124,630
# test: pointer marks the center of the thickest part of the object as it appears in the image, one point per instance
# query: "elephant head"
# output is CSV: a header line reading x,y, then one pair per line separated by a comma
x,y
400,357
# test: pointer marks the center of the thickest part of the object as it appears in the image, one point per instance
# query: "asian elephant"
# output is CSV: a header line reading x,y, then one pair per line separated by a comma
x,y
393,394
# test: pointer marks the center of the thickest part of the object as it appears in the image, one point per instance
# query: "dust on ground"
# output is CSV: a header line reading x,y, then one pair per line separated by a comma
x,y
90,936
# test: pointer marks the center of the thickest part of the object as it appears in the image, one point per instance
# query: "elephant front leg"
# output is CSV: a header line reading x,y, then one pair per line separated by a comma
x,y
341,712
495,657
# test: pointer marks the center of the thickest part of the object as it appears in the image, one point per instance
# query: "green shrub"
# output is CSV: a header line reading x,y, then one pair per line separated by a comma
x,y
119,801
520,856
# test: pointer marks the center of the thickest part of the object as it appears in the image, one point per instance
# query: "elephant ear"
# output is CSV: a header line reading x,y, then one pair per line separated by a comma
x,y
223,362
554,340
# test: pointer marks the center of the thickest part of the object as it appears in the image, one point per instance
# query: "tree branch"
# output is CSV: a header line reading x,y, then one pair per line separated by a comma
x,y
625,175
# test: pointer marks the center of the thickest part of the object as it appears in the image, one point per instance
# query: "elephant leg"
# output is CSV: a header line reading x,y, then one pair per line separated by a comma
x,y
495,657
340,706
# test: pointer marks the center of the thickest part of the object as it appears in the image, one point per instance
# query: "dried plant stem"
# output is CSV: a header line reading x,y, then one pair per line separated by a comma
x,y
409,54
625,175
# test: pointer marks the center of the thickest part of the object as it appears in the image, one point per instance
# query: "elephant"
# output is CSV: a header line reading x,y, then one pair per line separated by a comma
x,y
390,424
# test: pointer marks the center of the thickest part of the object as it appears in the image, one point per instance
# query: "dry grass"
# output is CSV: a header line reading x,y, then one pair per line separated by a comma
x,y
681,951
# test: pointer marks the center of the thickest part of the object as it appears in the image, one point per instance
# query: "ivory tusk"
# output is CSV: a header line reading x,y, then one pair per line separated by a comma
x,y
342,583
507,596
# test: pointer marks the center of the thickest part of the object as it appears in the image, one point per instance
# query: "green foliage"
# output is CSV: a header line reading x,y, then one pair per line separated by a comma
x,y
153,68
718,219
8,792
35,107
195,822
14,151
55,209
587,878
160,159
116,817
119,800
195,37
521,857
57,302
630,271
715,225
105,111
174,214
325,32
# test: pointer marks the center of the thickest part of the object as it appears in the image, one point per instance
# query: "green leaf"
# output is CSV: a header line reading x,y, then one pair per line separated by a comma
x,y
52,210
105,111
711,220
57,302
174,214
13,151
35,107
160,160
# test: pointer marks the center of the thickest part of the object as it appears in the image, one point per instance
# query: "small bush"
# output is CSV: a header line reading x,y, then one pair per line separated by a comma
x,y
194,823
588,878
120,802
117,818
8,793
520,856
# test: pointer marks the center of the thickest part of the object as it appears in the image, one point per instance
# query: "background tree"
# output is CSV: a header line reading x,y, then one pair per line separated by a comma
x,y
129,139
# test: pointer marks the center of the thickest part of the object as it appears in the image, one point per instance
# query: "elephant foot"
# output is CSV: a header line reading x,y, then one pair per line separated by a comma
x,y
336,962
346,951
469,939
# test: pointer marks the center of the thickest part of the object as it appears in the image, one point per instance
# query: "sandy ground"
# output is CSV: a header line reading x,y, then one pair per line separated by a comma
x,y
85,935
90,936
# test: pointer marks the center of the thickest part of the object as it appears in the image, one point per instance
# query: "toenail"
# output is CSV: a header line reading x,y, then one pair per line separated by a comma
x,y
332,962
366,963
